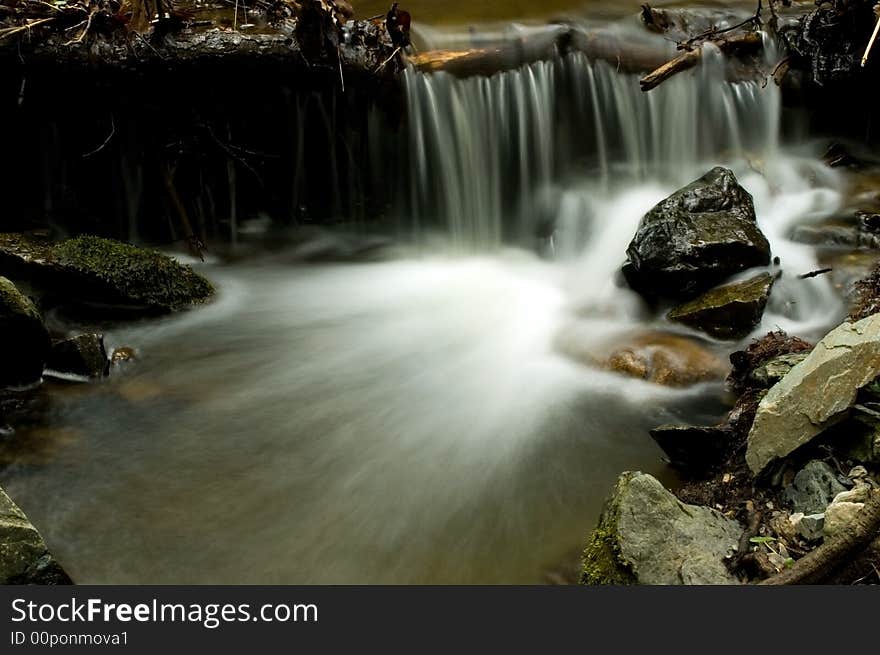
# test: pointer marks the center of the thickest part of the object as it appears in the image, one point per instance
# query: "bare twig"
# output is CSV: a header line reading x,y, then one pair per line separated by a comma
x,y
871,43
106,141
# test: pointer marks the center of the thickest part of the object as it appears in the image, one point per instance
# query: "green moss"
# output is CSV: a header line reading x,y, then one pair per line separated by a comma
x,y
137,274
602,561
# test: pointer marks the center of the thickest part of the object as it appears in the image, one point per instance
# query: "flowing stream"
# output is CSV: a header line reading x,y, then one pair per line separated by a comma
x,y
422,419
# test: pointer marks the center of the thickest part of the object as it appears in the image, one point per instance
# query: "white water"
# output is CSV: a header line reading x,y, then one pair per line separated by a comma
x,y
417,420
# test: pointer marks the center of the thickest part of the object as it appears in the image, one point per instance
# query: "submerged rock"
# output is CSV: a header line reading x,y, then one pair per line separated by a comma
x,y
24,557
696,238
667,359
24,341
83,355
816,393
98,271
647,536
730,311
813,488
836,236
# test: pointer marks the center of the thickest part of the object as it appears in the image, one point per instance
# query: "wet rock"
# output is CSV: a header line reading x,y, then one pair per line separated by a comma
x,y
830,41
836,236
666,359
696,238
123,355
816,393
24,557
813,488
82,355
24,341
103,272
809,528
647,536
697,450
730,311
746,363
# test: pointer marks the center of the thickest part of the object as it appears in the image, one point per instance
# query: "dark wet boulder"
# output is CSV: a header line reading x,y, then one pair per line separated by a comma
x,y
697,450
696,238
24,341
100,272
729,311
24,557
83,355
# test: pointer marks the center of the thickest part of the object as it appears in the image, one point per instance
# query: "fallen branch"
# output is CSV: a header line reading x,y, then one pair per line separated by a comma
x,y
821,271
739,44
822,562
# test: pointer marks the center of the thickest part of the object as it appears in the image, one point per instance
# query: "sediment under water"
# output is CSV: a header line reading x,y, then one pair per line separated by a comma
x,y
422,419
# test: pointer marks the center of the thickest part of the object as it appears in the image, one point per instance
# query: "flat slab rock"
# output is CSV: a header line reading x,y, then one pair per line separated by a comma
x,y
730,311
24,557
647,536
816,392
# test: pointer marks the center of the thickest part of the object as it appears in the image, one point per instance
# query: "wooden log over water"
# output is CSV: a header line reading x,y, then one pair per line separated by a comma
x,y
747,43
625,56
599,45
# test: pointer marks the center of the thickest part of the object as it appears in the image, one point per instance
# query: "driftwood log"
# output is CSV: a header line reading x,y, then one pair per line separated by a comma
x,y
739,44
821,564
625,56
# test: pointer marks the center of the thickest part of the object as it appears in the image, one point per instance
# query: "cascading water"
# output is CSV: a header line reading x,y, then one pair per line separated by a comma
x,y
424,420
495,153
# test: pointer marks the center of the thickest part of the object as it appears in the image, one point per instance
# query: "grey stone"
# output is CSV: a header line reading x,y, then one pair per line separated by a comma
x,y
816,393
813,488
24,557
647,536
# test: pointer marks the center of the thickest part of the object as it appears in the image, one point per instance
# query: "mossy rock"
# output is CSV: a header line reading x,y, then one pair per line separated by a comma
x,y
647,536
24,341
137,275
730,311
603,563
95,271
24,557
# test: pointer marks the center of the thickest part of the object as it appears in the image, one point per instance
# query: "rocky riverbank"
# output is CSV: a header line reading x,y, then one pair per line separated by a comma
x,y
786,488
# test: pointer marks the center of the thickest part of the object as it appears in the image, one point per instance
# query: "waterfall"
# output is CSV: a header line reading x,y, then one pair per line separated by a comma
x,y
490,155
